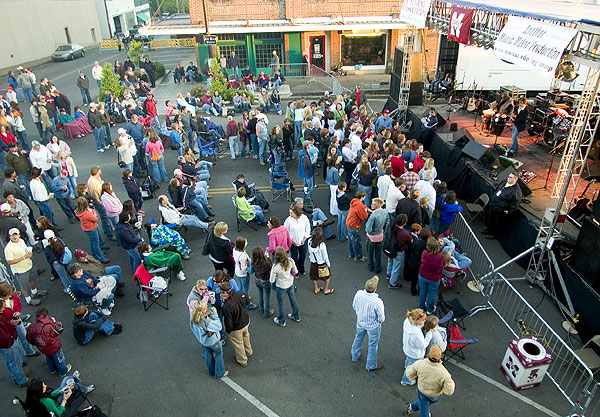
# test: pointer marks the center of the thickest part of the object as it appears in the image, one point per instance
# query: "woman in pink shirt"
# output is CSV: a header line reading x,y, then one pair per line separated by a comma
x,y
278,235
155,151
112,205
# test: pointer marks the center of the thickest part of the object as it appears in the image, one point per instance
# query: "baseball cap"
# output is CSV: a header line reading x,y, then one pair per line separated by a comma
x,y
386,111
64,171
435,353
92,104
14,231
49,234
12,145
121,130
80,253
177,172
5,207
35,143
371,284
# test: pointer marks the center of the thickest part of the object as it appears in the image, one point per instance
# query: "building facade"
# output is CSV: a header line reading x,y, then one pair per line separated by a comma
x,y
120,16
33,29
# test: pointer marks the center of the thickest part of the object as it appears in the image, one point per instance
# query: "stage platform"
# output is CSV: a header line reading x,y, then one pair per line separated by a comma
x,y
534,155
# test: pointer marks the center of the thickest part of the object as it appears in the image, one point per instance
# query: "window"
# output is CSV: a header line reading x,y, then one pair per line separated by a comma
x,y
264,52
268,36
365,49
240,53
231,38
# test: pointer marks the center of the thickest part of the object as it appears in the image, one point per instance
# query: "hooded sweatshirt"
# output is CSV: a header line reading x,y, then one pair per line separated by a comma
x,y
279,236
357,214
413,341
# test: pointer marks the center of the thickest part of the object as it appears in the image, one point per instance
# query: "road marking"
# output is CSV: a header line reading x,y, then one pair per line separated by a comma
x,y
504,388
249,397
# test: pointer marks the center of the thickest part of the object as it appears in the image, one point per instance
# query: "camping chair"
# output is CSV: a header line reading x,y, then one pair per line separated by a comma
x,y
179,228
206,146
148,294
74,403
477,208
451,276
280,184
238,216
87,302
251,187
588,355
456,341
459,313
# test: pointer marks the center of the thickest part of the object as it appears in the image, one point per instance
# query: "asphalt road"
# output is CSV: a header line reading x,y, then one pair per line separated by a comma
x,y
154,367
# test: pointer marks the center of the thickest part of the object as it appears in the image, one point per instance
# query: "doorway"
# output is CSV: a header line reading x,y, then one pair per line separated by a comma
x,y
93,33
67,35
317,51
117,22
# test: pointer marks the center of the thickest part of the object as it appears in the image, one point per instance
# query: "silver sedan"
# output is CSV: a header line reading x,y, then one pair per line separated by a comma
x,y
69,52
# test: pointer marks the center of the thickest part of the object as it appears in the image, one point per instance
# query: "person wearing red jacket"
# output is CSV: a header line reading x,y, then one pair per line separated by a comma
x,y
356,215
10,350
6,136
150,106
44,334
12,311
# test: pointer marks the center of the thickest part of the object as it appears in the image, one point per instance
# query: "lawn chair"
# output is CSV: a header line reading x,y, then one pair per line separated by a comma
x,y
250,186
459,313
150,291
87,302
207,147
457,342
180,228
73,405
477,208
280,184
238,216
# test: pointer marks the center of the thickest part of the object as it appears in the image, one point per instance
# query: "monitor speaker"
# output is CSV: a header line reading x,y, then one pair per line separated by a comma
x,y
461,137
415,95
585,258
524,188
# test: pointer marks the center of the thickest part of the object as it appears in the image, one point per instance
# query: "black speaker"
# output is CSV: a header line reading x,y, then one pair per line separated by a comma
x,y
479,152
524,188
461,137
415,95
453,127
585,258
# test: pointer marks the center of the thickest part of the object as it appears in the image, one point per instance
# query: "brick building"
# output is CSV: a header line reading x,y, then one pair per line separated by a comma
x,y
350,32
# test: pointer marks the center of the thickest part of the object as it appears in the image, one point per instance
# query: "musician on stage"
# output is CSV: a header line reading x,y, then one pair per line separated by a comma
x,y
503,107
428,123
504,202
519,124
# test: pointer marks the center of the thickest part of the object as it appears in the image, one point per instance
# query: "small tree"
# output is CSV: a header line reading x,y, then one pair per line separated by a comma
x,y
217,78
110,82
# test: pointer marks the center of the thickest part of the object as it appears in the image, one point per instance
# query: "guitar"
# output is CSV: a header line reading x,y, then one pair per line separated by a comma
x,y
580,203
480,101
468,101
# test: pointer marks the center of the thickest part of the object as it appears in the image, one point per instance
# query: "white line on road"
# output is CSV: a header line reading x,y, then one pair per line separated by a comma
x,y
251,398
504,388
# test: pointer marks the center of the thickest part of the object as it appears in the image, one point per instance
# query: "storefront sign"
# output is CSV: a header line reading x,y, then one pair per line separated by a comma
x,y
414,12
460,24
532,44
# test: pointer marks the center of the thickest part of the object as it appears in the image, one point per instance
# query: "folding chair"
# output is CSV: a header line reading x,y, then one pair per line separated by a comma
x,y
477,208
280,184
457,342
180,228
459,313
238,216
588,355
73,404
147,294
250,186
87,302
206,146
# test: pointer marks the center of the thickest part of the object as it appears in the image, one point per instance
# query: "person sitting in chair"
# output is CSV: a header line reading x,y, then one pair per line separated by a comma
x,y
443,84
171,215
162,235
95,268
40,400
87,288
161,258
259,198
317,217
248,211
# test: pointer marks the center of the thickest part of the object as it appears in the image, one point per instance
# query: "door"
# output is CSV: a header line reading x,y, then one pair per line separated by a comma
x,y
67,35
317,51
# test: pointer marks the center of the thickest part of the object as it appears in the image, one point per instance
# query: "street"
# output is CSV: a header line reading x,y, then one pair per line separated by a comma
x,y
155,368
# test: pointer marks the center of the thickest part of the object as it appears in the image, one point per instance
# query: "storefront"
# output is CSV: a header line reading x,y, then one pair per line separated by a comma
x,y
364,50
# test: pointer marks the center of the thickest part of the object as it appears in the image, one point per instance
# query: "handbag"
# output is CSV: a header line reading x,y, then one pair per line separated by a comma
x,y
324,271
120,162
67,256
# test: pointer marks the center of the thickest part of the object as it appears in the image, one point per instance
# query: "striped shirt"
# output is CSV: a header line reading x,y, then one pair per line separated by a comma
x,y
369,309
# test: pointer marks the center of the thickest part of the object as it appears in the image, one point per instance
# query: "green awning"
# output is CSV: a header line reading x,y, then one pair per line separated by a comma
x,y
145,17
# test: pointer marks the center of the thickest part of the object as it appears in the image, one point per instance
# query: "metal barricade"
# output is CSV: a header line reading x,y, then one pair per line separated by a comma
x,y
109,43
292,70
569,374
172,43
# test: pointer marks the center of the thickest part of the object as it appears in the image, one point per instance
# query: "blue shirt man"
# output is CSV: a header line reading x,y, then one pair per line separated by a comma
x,y
383,120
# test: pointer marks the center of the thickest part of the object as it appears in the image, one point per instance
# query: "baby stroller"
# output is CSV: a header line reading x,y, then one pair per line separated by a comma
x,y
280,183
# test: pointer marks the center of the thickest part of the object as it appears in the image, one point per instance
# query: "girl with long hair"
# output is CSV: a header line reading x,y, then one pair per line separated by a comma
x,y
282,275
261,265
320,266
205,325
414,342
59,256
89,224
112,205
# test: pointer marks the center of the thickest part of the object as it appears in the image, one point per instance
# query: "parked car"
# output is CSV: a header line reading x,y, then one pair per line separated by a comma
x,y
119,35
68,52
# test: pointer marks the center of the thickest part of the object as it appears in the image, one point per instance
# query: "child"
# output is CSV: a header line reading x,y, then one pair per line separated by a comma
x,y
439,336
449,209
261,266
413,341
343,205
242,264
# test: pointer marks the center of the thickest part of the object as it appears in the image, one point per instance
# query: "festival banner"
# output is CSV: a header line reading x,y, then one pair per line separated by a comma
x,y
414,12
460,24
532,44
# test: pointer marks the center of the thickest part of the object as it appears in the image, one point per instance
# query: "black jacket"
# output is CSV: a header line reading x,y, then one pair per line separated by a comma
x,y
218,248
414,251
94,119
411,208
7,223
521,119
506,198
129,239
133,188
235,314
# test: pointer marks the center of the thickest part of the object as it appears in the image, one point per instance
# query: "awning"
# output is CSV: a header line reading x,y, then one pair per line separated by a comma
x,y
144,17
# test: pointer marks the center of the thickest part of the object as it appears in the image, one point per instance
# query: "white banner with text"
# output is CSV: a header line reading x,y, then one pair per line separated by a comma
x,y
414,12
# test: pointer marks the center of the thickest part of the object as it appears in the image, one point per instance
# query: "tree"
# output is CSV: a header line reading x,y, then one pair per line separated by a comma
x,y
110,82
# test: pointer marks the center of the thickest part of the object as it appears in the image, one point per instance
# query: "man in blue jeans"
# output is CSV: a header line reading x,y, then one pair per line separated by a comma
x,y
86,325
370,314
433,381
10,350
356,215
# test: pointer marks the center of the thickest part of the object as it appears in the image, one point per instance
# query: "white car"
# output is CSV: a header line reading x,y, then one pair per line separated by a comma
x,y
68,51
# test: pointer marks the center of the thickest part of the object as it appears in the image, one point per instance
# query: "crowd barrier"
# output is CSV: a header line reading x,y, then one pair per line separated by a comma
x,y
154,44
573,379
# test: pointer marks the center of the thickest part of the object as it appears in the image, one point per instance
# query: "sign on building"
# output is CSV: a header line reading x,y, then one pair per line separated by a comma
x,y
414,12
210,39
532,44
460,24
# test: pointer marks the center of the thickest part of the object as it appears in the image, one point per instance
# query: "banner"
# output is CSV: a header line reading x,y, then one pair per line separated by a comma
x,y
460,24
414,12
532,44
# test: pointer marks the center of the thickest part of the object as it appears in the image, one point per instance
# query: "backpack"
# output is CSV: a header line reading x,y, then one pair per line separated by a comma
x,y
67,257
390,246
155,155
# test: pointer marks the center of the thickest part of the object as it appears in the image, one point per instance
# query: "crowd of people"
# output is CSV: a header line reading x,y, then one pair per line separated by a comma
x,y
383,192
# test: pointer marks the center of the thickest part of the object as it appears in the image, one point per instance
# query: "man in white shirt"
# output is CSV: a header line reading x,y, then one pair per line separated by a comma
x,y
395,194
39,194
370,314
18,256
355,141
427,190
41,158
97,73
384,182
172,216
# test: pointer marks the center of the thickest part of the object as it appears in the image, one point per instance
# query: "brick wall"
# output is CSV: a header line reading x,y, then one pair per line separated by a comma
x,y
336,47
234,10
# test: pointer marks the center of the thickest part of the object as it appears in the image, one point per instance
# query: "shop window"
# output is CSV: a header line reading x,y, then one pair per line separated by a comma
x,y
268,36
264,53
231,37
240,53
365,49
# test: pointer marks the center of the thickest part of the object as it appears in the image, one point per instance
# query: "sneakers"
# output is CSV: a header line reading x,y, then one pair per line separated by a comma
x,y
409,384
118,329
393,287
363,259
291,317
433,311
276,320
107,147
105,311
90,388
76,374
65,374
409,409
39,293
181,276
100,150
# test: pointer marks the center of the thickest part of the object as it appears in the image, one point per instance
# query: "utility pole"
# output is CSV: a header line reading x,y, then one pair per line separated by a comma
x,y
211,49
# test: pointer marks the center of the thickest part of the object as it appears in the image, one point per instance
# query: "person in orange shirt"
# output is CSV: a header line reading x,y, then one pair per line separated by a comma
x,y
89,224
356,215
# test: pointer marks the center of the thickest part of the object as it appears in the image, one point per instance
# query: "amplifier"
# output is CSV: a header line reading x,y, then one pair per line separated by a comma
x,y
543,117
541,101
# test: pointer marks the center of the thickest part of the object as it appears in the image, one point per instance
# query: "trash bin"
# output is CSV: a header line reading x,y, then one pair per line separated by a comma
x,y
525,363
